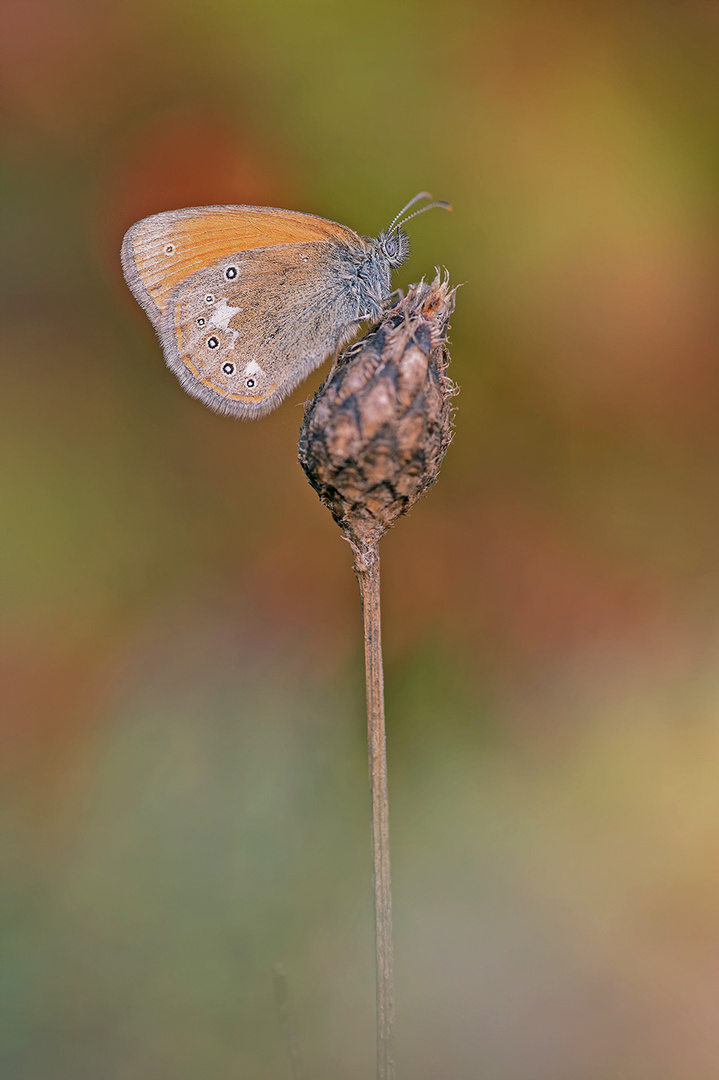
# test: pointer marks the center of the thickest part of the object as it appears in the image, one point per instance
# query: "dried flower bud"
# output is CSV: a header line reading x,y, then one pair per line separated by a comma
x,y
374,435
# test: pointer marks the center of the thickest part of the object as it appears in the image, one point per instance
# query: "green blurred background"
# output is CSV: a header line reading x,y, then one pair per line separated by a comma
x,y
183,762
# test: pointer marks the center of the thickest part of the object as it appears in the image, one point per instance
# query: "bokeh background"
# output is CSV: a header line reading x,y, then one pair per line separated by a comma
x,y
183,763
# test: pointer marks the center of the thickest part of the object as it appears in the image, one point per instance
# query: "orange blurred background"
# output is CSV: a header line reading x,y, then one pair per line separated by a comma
x,y
183,761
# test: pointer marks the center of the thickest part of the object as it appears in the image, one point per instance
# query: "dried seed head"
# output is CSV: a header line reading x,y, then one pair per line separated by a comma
x,y
374,435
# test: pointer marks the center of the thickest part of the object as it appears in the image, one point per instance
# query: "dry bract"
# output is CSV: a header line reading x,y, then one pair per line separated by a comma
x,y
374,436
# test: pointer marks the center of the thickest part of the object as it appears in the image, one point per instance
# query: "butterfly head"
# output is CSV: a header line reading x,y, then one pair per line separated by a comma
x,y
393,242
394,245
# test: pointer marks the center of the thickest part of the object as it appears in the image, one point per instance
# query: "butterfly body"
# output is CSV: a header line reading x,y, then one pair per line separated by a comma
x,y
247,300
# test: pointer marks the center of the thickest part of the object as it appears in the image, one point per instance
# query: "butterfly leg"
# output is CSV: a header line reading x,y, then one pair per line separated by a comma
x,y
394,298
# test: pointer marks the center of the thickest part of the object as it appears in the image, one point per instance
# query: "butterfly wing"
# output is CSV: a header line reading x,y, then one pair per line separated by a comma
x,y
160,252
242,333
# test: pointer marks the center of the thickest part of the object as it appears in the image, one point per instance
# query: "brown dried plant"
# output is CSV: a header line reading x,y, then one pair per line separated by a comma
x,y
371,443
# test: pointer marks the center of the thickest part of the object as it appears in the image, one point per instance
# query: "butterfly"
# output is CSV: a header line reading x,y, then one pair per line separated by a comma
x,y
248,300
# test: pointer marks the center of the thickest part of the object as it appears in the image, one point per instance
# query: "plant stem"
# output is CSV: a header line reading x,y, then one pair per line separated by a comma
x,y
285,1012
367,571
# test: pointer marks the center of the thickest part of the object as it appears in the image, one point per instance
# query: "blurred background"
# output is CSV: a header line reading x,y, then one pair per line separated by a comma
x,y
184,761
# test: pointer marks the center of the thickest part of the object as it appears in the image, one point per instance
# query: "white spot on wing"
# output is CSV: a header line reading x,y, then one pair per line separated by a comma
x,y
253,368
222,314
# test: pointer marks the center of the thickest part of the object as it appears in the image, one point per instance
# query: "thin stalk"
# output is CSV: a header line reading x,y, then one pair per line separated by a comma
x,y
286,1014
367,571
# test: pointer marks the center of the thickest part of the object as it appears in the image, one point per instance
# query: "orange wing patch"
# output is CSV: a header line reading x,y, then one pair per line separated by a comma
x,y
161,251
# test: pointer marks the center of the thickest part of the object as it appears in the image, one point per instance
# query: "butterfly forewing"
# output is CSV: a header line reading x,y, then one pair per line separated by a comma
x,y
160,252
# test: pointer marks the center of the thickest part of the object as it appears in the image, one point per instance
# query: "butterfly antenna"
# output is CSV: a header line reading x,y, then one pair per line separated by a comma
x,y
442,205
422,195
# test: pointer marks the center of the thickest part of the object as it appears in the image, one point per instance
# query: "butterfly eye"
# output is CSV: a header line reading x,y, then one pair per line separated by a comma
x,y
231,272
201,321
250,383
169,250
212,343
209,299
228,368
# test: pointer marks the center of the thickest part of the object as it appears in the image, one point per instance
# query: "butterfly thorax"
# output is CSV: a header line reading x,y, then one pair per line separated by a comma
x,y
373,274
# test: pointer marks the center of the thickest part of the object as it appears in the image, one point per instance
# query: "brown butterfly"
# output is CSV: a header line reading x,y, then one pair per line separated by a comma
x,y
248,300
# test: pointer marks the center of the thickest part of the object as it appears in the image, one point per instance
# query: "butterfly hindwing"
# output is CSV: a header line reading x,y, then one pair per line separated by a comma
x,y
243,332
